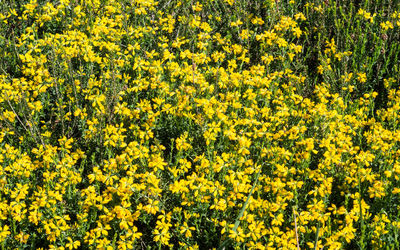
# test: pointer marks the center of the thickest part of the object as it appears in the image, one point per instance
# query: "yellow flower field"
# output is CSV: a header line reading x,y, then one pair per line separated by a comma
x,y
210,124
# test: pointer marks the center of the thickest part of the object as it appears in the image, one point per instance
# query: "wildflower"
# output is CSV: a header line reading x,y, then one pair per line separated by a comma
x,y
386,25
186,230
362,77
237,235
4,232
197,7
72,244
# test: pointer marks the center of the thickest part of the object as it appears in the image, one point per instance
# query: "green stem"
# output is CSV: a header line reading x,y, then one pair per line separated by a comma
x,y
316,239
237,221
361,215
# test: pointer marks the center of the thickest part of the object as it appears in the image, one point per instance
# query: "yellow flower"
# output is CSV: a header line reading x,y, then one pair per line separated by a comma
x,y
237,235
4,232
237,23
362,77
152,207
181,142
257,21
197,7
22,237
386,25
72,244
185,229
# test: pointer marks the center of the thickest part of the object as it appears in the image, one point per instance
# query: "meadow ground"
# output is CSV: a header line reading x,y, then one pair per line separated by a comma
x,y
199,124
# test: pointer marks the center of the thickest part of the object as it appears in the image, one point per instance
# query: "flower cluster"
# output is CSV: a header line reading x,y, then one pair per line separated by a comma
x,y
193,125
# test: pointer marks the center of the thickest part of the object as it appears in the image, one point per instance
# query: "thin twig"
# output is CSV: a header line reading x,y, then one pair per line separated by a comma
x,y
316,238
193,68
16,115
295,227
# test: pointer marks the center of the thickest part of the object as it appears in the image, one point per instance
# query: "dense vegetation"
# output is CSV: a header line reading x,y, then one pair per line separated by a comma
x,y
199,124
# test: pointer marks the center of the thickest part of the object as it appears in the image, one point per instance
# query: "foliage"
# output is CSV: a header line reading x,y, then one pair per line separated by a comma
x,y
183,124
